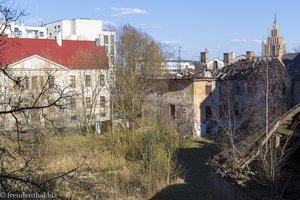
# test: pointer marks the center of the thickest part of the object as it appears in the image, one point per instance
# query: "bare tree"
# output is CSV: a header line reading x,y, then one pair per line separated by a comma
x,y
27,102
139,58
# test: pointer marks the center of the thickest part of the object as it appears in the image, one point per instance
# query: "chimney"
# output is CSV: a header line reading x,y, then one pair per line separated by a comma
x,y
59,39
204,57
249,55
228,58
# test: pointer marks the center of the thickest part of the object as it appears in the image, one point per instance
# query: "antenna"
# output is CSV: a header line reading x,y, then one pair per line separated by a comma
x,y
179,53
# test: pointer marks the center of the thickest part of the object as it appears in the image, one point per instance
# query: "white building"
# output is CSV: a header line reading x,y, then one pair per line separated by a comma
x,y
82,29
20,30
177,66
85,29
78,68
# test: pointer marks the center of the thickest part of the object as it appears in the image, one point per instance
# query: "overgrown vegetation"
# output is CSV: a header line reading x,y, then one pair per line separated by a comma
x,y
131,164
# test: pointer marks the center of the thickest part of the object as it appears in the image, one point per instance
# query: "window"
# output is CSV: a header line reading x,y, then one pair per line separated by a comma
x,y
50,35
283,89
236,109
106,49
88,102
112,39
87,80
17,86
112,50
72,81
208,112
54,28
41,80
73,117
51,81
102,83
103,114
215,64
58,27
73,103
41,34
102,101
172,111
238,90
208,89
105,39
34,82
223,111
26,85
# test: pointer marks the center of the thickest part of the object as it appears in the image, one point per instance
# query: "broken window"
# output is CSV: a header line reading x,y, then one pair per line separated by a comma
x,y
208,88
283,89
223,111
208,113
74,118
238,90
236,109
172,111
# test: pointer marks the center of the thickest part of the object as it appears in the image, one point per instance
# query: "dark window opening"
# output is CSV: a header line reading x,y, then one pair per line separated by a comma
x,y
172,111
208,112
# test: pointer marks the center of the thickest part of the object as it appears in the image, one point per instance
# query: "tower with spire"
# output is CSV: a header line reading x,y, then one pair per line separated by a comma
x,y
275,46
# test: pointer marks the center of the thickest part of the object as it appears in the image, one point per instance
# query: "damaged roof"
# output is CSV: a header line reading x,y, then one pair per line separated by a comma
x,y
292,63
243,68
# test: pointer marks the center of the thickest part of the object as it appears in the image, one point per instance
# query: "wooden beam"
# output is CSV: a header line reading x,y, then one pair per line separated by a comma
x,y
284,131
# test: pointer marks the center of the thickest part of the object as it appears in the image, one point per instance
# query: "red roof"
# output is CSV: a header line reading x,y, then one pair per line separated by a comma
x,y
71,54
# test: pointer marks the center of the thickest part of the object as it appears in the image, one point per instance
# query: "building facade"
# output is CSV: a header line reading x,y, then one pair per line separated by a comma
x,y
76,72
190,101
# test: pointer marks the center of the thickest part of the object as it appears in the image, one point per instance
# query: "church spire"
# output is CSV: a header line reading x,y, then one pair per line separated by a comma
x,y
275,19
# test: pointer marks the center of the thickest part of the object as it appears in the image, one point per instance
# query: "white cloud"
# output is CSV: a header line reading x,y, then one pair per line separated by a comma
x,y
238,40
257,41
171,42
129,11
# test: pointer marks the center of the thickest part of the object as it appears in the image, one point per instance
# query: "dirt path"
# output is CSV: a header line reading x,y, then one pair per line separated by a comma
x,y
195,174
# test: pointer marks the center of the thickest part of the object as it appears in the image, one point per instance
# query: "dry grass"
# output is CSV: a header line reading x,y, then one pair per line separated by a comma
x,y
63,153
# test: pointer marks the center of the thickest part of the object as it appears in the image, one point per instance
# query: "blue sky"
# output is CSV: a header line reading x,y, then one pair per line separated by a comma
x,y
218,25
